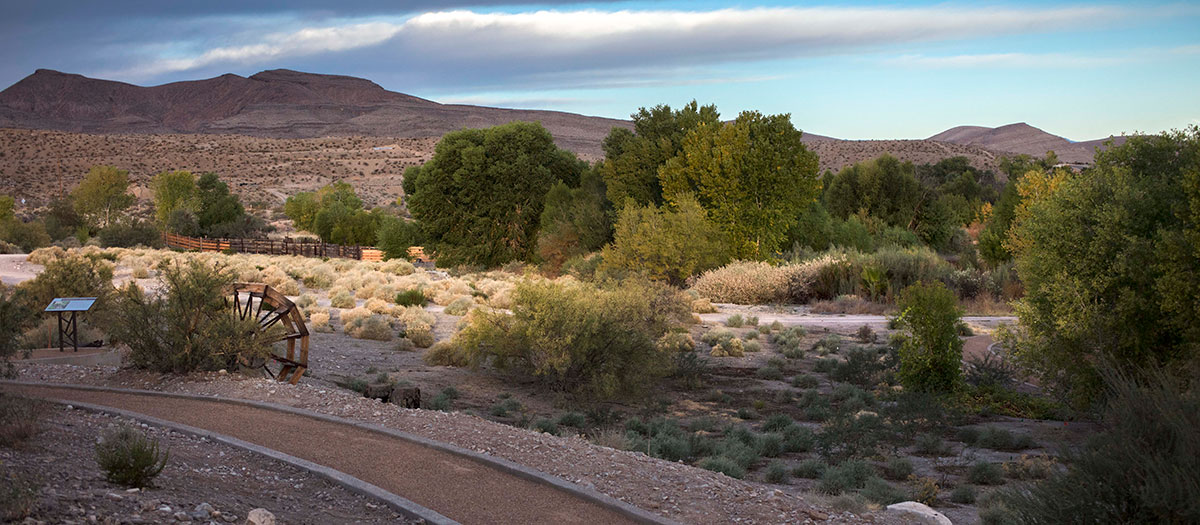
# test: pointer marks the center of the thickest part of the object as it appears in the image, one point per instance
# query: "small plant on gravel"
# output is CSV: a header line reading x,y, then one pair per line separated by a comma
x,y
747,414
866,335
413,297
546,426
18,497
849,475
703,306
997,438
752,320
723,465
572,419
130,458
20,419
985,473
811,468
776,326
769,373
731,348
805,381
931,445
342,298
444,400
374,327
505,408
354,384
421,335
1030,467
897,469
776,472
825,365
750,336
924,490
777,422
460,306
764,329
829,344
881,492
735,321
963,495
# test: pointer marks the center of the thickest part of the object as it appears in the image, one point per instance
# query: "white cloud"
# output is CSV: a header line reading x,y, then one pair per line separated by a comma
x,y
453,44
1042,60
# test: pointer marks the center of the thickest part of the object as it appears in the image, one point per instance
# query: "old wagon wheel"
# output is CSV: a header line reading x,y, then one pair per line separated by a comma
x,y
271,309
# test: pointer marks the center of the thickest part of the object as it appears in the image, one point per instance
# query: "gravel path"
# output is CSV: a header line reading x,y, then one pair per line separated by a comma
x,y
456,487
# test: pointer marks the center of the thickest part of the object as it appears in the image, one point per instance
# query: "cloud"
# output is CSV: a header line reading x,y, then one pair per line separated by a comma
x,y
461,47
1042,60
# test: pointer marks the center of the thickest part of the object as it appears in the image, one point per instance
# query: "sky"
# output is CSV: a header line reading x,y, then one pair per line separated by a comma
x,y
855,70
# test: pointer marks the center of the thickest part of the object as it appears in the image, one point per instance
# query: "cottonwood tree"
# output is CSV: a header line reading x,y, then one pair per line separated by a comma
x,y
480,198
752,175
103,194
632,158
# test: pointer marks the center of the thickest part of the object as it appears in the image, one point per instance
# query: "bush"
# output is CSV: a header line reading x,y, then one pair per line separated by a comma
x,y
342,299
572,419
931,445
129,457
866,335
579,337
985,473
999,439
776,472
665,244
879,491
18,497
734,321
20,419
897,469
963,495
931,354
460,306
849,475
805,381
1144,466
810,469
70,276
188,327
723,465
744,282
413,297
130,234
769,373
374,327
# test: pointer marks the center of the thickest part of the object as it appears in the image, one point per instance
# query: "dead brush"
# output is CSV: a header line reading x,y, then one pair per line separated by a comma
x,y
20,419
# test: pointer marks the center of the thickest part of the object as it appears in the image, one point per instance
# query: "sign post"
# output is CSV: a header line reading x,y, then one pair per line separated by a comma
x,y
69,327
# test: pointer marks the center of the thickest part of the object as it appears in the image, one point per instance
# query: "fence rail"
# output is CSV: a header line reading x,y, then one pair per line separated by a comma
x,y
273,247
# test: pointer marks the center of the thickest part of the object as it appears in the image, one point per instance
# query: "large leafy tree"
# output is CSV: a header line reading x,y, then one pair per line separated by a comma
x,y
632,158
103,194
335,213
480,198
574,221
752,175
667,243
1109,262
173,190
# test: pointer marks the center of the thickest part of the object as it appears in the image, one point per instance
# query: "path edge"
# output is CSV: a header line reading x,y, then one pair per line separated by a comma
x,y
628,510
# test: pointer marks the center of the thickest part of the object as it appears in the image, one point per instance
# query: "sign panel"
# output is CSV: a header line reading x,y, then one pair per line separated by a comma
x,y
71,304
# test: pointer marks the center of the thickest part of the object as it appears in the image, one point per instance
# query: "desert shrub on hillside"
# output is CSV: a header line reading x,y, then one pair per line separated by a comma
x,y
931,352
187,327
579,337
341,298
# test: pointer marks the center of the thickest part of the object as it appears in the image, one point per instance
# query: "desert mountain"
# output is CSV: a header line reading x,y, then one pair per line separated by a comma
x,y
1023,139
276,104
284,104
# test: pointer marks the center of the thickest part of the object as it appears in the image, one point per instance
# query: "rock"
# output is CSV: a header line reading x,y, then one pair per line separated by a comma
x,y
380,391
260,517
182,516
407,397
204,510
912,509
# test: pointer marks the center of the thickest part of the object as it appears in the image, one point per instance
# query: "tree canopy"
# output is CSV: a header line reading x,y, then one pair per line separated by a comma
x,y
103,194
480,198
752,175
632,158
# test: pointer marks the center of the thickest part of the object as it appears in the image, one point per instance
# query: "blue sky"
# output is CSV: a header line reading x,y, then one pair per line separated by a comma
x,y
856,70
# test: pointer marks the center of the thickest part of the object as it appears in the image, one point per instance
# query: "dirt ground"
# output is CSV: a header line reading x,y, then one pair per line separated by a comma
x,y
58,464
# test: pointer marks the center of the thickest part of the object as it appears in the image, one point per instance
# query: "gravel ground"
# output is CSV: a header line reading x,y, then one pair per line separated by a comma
x,y
675,490
200,474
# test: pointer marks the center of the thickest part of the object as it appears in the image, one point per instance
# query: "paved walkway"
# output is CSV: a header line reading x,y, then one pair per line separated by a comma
x,y
459,488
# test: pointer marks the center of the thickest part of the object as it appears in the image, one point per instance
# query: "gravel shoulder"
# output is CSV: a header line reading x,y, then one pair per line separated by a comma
x,y
70,488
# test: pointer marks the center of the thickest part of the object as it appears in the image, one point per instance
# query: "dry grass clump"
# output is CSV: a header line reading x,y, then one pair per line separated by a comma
x,y
744,282
341,298
445,353
397,267
305,301
420,334
46,255
703,306
413,315
319,322
320,276
849,304
446,291
374,327
278,279
460,306
379,306
675,342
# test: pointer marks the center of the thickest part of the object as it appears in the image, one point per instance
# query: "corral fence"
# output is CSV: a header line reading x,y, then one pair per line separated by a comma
x,y
303,248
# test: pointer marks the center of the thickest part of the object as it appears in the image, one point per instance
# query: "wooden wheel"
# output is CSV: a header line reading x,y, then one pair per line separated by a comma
x,y
271,309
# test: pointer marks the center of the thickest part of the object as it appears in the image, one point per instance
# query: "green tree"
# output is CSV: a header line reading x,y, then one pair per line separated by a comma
x,y
15,315
103,194
574,221
396,235
752,175
665,244
302,209
480,198
61,219
1109,263
632,158
173,190
931,353
217,205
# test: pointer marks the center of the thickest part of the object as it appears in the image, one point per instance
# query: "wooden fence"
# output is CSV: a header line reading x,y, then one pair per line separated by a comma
x,y
274,247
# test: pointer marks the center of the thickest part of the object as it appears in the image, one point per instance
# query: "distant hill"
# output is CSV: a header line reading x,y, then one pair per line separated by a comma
x,y
1022,138
275,104
284,104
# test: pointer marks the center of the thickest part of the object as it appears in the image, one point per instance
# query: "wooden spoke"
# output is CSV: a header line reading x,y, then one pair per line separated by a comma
x,y
272,310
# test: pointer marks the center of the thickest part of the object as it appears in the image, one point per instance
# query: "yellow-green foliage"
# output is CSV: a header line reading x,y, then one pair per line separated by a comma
x,y
374,327
460,306
676,342
703,306
729,348
420,334
342,298
47,254
446,353
577,336
319,322
663,243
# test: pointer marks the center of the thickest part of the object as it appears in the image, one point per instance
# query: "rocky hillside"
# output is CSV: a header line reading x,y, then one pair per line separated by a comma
x,y
1023,139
